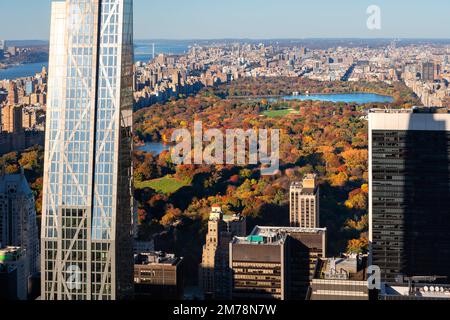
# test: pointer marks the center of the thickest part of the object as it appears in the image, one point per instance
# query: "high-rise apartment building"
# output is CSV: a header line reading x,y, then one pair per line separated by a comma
x,y
12,118
409,155
215,273
87,204
276,262
13,96
428,71
18,225
304,203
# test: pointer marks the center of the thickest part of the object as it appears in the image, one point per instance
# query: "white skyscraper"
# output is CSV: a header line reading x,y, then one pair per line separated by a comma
x,y
87,204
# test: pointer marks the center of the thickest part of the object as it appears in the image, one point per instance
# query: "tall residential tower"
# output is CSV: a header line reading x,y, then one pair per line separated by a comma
x,y
87,204
304,203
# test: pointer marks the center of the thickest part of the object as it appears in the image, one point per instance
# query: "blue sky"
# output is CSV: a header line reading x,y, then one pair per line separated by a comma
x,y
207,19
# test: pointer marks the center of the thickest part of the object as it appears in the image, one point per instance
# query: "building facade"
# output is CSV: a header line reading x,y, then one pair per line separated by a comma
x,y
14,273
258,267
158,276
301,249
428,71
87,207
18,225
409,154
12,118
304,203
215,273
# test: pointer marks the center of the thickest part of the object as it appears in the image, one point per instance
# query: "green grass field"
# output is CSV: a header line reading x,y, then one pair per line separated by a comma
x,y
166,185
277,113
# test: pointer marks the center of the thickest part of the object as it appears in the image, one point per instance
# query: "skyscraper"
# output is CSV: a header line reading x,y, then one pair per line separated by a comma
x,y
18,226
304,203
304,248
275,262
87,204
12,118
409,154
428,71
13,97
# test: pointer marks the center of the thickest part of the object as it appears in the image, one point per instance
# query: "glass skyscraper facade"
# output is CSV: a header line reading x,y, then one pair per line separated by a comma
x,y
87,205
409,194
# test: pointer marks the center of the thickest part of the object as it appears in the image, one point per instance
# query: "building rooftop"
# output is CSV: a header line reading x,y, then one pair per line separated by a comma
x,y
308,186
12,183
274,235
297,184
156,258
234,217
10,254
263,231
267,239
414,109
346,268
217,215
428,291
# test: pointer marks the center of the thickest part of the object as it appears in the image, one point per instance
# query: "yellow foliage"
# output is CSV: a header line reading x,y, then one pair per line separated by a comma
x,y
365,188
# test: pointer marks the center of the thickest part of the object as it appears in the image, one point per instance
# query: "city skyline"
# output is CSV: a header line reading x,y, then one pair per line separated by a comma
x,y
232,168
288,19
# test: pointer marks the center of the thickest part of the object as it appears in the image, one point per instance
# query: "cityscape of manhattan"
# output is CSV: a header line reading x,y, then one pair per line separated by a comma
x,y
224,159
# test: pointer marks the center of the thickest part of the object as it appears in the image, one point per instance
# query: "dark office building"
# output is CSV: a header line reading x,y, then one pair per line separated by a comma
x,y
276,262
8,283
410,193
258,268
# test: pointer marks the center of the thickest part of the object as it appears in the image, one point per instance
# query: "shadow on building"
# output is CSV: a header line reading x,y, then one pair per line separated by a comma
x,y
426,203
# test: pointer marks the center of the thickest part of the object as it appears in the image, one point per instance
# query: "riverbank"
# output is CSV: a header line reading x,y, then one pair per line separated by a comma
x,y
22,70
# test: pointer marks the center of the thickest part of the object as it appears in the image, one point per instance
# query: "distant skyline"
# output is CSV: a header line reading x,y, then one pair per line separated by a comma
x,y
251,19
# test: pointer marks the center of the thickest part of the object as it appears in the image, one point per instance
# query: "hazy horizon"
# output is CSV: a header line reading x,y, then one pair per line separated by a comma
x,y
259,39
252,19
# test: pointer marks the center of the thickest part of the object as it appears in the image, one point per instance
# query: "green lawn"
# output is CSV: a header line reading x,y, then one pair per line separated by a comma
x,y
166,185
277,113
